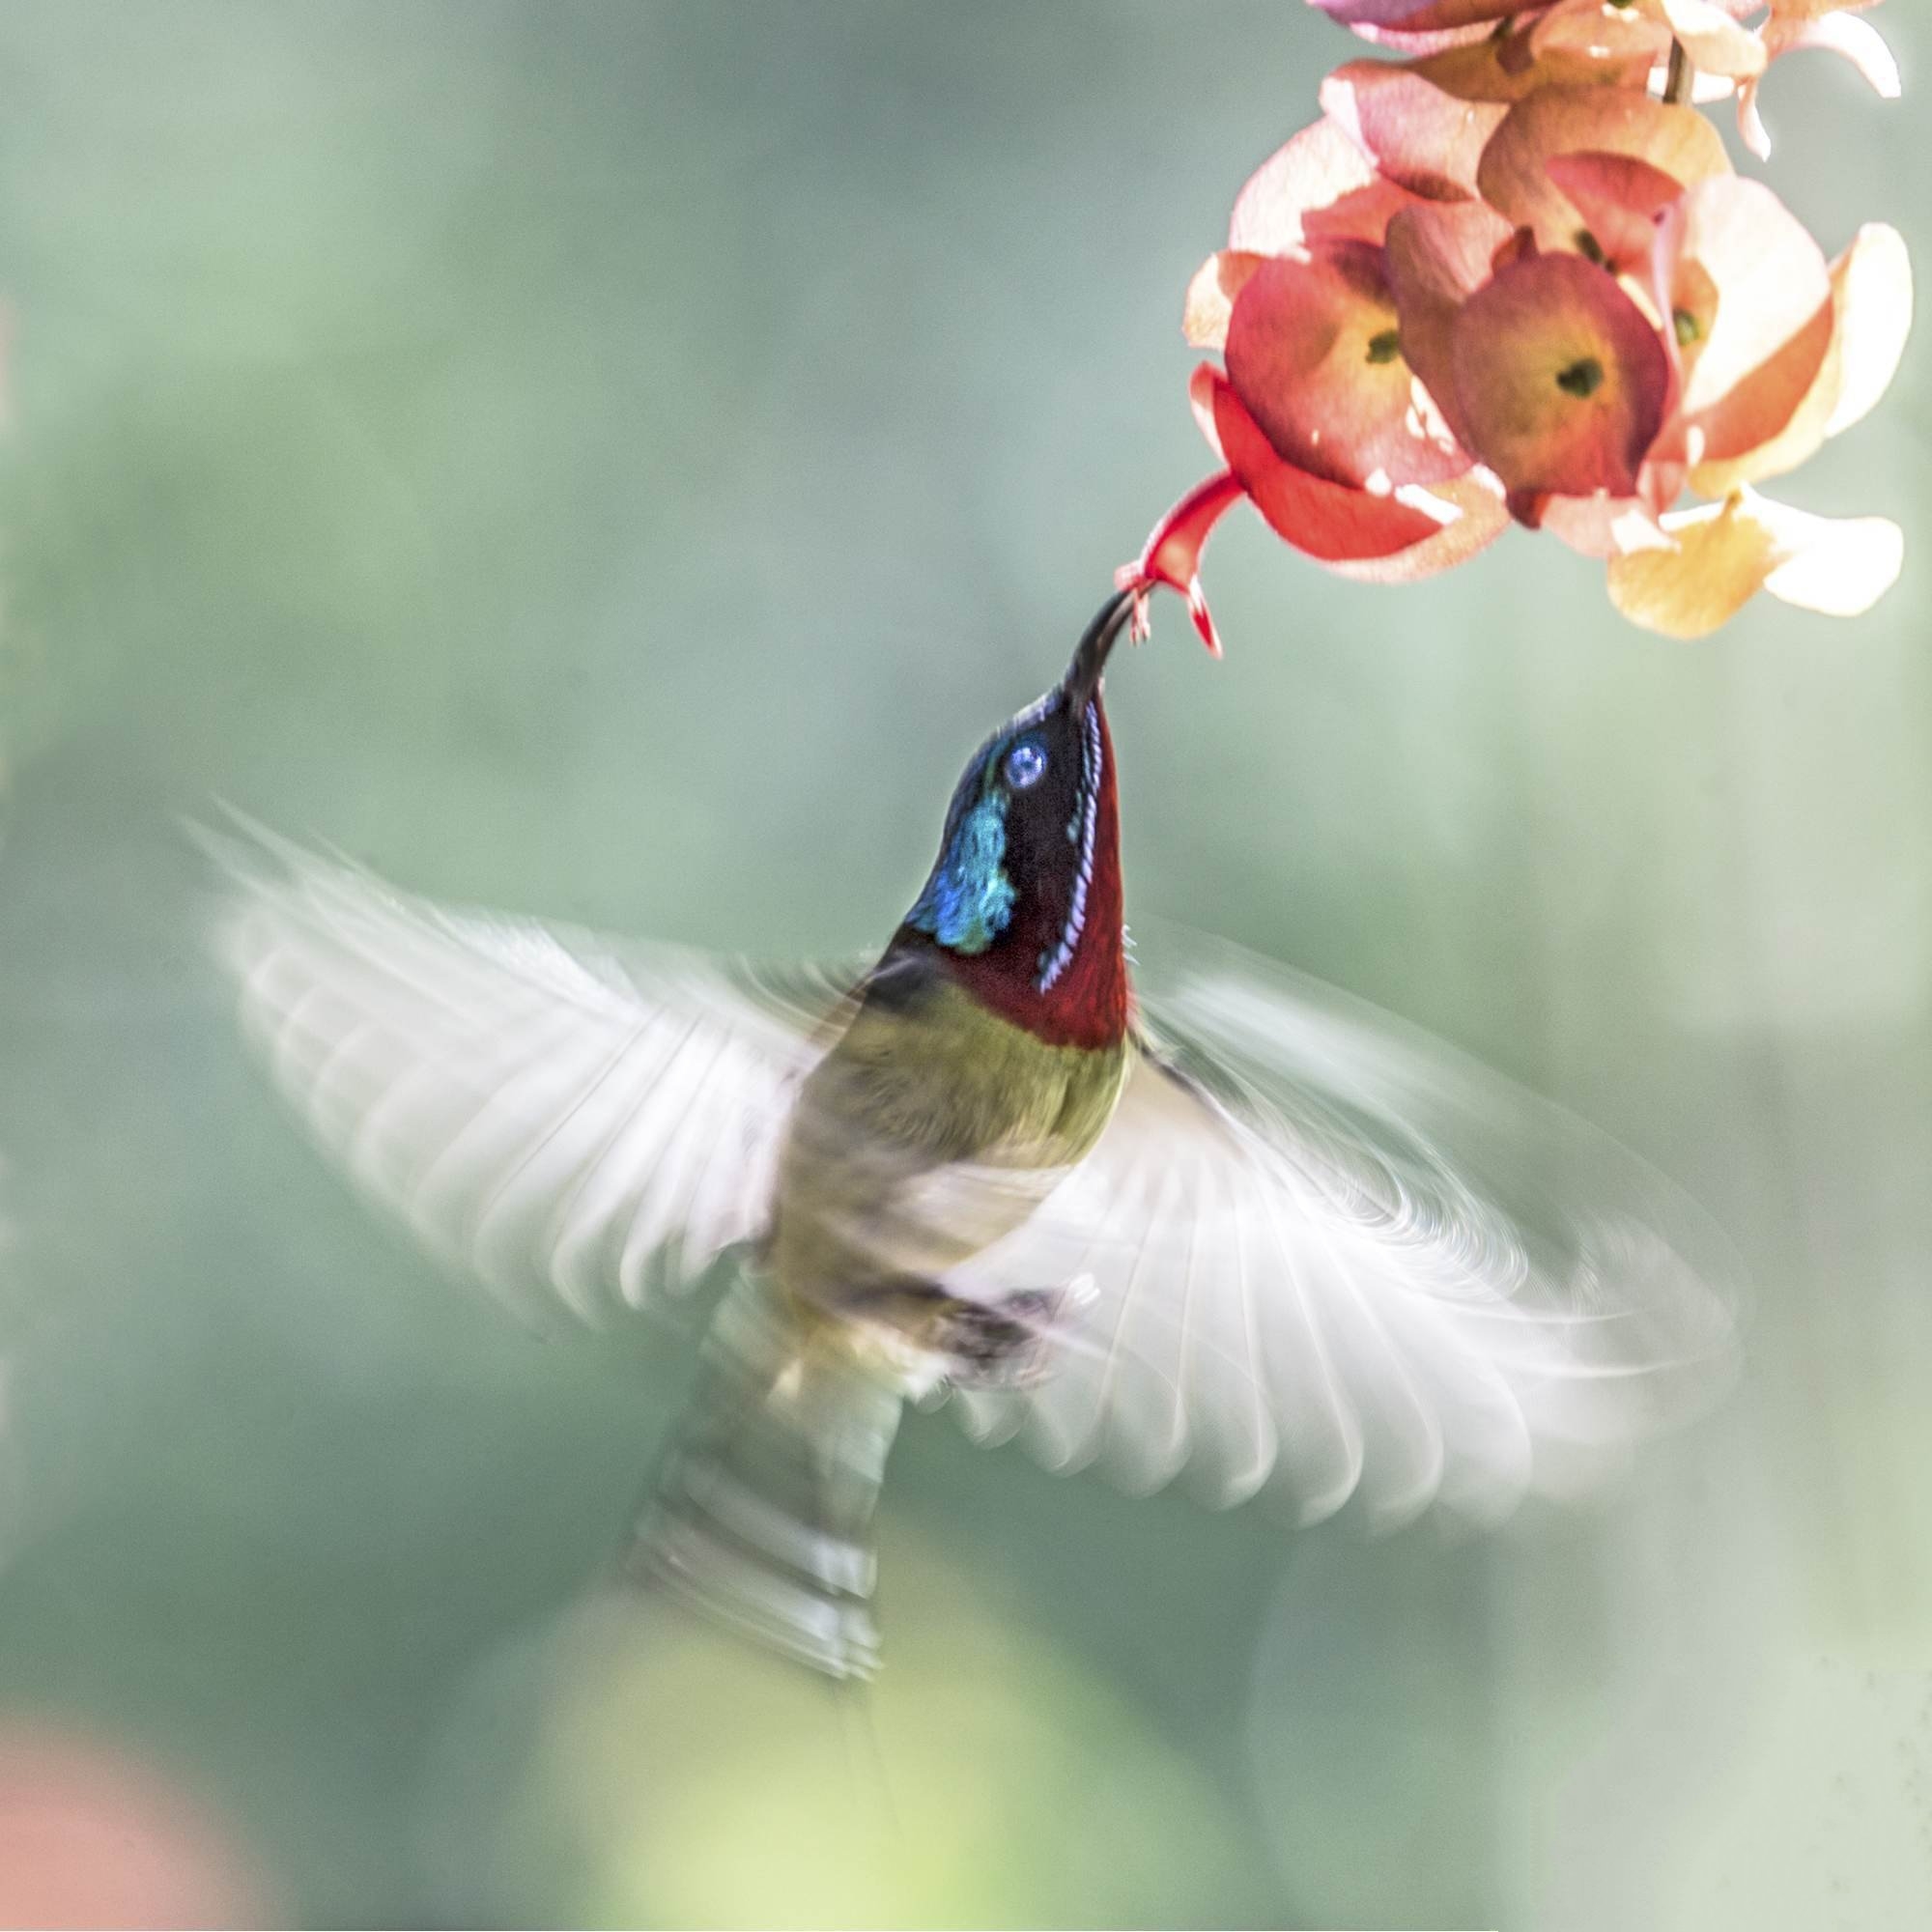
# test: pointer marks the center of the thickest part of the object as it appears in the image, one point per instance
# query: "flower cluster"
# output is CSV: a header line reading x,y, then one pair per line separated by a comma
x,y
1511,275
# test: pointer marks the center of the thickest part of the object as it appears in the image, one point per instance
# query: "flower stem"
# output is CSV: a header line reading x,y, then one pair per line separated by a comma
x,y
1677,80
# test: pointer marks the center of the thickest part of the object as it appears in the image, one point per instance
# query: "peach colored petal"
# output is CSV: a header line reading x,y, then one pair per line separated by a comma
x,y
1513,175
1713,41
1856,40
1328,521
1493,68
1839,34
1561,382
1422,138
1838,567
1718,562
1725,552
1750,297
1210,297
1872,300
1791,30
1812,10
1871,283
1314,350
1589,30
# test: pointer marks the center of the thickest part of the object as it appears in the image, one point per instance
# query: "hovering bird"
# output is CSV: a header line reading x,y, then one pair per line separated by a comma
x,y
1243,1232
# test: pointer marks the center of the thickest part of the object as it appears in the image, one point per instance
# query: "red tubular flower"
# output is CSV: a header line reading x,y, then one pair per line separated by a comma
x,y
1172,557
1320,418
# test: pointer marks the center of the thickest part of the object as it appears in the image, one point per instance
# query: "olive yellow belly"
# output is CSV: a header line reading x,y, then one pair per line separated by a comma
x,y
932,1128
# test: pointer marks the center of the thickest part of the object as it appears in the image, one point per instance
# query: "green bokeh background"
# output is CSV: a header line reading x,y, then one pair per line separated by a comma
x,y
615,461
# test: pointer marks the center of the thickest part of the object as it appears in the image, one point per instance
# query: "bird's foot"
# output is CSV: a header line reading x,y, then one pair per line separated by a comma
x,y
1007,1342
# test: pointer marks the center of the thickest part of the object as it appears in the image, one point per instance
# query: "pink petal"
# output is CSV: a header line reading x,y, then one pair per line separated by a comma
x,y
1413,16
1603,527
1561,382
1426,140
1621,198
1328,521
1438,256
1441,39
1314,351
1482,516
1362,214
1315,169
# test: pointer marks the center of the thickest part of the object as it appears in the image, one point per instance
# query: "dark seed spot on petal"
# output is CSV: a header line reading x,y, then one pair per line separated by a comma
x,y
1589,247
1385,347
1582,379
1688,328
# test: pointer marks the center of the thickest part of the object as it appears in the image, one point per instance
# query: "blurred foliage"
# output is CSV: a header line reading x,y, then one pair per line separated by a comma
x,y
614,459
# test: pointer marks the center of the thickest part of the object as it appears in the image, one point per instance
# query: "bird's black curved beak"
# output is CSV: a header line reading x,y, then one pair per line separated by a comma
x,y
1090,657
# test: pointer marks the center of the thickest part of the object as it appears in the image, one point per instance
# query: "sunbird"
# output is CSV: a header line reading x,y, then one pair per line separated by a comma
x,y
1244,1233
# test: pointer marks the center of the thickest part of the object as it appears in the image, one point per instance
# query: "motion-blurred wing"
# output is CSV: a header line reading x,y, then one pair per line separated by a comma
x,y
539,1106
1334,1257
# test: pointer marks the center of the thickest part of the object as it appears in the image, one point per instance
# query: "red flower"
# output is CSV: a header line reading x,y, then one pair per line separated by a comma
x,y
1502,277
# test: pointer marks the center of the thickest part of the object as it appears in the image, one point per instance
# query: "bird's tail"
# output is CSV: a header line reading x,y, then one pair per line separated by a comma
x,y
761,1518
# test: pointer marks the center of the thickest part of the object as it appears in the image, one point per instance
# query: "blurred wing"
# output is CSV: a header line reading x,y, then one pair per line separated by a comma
x,y
1334,1257
540,1107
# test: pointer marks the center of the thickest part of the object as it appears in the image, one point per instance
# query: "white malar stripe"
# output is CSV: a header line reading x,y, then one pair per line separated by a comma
x,y
1090,811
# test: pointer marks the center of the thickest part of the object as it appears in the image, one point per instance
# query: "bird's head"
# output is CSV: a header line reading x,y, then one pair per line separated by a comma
x,y
1024,897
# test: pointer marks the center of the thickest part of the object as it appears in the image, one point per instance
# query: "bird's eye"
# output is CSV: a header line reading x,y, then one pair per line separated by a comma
x,y
1026,765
